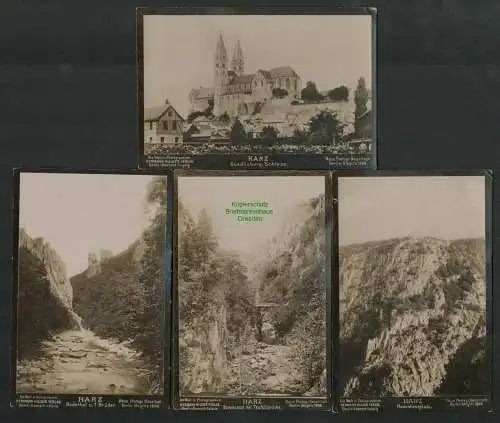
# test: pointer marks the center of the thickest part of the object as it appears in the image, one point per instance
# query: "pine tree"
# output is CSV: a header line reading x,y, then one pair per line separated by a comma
x,y
361,96
238,134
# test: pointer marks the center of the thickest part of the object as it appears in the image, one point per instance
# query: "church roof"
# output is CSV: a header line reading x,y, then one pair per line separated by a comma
x,y
282,71
266,73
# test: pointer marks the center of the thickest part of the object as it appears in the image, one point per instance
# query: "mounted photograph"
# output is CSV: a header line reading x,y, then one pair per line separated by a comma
x,y
270,88
415,324
90,273
251,292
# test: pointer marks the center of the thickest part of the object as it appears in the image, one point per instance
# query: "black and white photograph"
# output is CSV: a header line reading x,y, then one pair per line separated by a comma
x,y
217,87
252,288
90,284
414,331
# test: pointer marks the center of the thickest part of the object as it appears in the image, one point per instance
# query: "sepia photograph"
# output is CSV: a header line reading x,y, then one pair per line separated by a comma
x,y
257,83
252,287
90,284
413,317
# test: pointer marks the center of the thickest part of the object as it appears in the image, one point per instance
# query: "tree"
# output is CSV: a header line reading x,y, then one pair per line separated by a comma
x,y
194,115
257,107
204,236
300,137
210,107
361,96
193,129
238,134
208,112
279,93
339,94
152,275
310,93
269,135
325,128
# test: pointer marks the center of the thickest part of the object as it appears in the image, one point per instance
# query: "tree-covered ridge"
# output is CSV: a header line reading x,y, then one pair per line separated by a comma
x,y
294,277
126,299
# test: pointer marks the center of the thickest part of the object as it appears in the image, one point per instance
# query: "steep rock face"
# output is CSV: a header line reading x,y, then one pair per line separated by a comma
x,y
203,346
59,285
93,265
408,307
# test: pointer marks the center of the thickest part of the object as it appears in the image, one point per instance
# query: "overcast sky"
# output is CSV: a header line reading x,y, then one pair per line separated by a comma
x,y
82,213
179,50
378,208
215,194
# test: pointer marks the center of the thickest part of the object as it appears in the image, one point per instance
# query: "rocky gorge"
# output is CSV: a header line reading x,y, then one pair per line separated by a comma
x,y
56,354
100,331
254,328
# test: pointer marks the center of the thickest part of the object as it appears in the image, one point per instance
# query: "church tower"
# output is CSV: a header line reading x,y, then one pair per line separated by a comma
x,y
221,72
238,62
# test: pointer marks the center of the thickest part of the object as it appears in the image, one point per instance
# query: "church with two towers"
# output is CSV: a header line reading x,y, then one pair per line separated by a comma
x,y
237,93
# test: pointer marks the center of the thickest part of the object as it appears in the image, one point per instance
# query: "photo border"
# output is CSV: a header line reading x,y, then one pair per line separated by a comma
x,y
442,402
272,161
87,400
275,402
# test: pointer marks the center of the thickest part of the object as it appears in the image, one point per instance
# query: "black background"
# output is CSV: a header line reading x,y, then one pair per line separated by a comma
x,y
68,98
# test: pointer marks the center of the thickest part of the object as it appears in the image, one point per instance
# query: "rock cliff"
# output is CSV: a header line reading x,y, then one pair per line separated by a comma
x,y
412,317
44,295
59,284
96,260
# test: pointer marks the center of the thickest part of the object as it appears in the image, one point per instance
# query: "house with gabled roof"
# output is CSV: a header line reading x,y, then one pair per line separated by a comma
x,y
163,125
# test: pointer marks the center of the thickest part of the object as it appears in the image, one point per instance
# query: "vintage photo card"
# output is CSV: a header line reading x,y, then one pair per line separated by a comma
x,y
252,286
267,88
91,290
415,290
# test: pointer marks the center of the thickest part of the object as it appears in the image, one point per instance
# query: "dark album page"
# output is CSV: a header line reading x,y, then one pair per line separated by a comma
x,y
414,283
252,292
90,276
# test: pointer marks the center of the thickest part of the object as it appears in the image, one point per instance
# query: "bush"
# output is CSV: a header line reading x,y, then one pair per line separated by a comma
x,y
339,94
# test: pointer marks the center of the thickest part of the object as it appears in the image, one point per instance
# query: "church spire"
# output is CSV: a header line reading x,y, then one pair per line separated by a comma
x,y
221,71
220,52
238,62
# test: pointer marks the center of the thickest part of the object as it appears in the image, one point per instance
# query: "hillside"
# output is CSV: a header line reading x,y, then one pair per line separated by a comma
x,y
413,318
123,298
44,294
108,292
